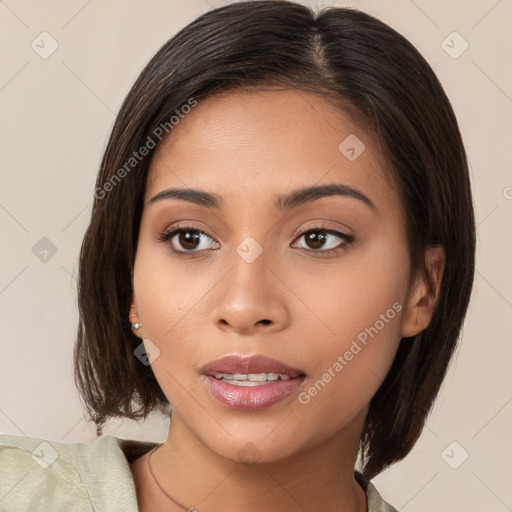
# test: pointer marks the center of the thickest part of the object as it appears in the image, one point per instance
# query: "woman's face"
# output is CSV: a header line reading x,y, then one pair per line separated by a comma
x,y
327,273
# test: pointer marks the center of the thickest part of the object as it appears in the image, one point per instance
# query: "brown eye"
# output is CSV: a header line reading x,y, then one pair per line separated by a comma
x,y
324,241
186,239
315,240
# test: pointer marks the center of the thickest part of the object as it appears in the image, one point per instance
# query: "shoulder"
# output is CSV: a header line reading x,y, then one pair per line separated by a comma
x,y
39,474
375,500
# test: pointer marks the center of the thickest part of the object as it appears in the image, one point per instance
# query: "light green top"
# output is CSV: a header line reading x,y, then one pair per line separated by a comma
x,y
37,475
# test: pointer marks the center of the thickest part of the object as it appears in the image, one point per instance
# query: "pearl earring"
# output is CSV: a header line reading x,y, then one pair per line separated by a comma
x,y
136,326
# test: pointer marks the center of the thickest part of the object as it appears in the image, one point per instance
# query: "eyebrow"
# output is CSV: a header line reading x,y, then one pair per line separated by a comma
x,y
281,203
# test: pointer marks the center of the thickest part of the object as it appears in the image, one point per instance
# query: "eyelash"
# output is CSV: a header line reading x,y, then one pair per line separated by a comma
x,y
169,234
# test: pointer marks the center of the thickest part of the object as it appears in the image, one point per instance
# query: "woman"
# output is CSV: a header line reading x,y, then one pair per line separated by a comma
x,y
282,249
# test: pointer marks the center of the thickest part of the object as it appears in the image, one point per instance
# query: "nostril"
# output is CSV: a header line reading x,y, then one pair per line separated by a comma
x,y
264,321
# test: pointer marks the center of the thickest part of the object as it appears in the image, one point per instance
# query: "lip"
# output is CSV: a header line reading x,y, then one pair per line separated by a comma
x,y
251,398
251,364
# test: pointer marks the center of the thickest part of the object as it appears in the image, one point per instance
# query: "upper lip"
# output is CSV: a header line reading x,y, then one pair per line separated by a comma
x,y
250,364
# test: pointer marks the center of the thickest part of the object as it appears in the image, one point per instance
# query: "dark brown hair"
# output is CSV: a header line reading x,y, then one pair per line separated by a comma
x,y
370,71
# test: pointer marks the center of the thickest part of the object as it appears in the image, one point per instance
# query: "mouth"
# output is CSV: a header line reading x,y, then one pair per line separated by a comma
x,y
251,383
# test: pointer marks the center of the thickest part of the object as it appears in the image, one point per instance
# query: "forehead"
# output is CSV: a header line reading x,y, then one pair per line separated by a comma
x,y
248,145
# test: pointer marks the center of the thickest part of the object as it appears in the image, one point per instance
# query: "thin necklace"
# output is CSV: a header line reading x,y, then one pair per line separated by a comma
x,y
187,509
193,509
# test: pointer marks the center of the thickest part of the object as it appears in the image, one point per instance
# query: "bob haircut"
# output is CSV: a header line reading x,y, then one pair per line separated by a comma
x,y
373,74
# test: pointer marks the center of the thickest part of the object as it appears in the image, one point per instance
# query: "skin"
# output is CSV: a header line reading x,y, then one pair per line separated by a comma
x,y
249,147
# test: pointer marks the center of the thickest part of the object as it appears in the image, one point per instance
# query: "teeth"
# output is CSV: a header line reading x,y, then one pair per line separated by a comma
x,y
257,377
244,382
250,379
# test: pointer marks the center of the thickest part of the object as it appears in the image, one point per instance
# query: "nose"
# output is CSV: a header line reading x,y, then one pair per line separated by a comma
x,y
251,298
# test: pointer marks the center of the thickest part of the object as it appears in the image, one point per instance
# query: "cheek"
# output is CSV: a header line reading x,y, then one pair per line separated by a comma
x,y
349,294
360,303
347,371
166,294
170,294
166,288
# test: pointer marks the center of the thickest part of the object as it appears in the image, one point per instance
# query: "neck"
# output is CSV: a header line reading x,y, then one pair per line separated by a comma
x,y
318,478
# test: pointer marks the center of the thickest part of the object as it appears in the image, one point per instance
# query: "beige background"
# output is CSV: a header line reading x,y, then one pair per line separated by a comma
x,y
56,114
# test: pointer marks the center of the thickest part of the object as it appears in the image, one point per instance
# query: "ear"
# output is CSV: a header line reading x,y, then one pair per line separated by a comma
x,y
421,303
134,318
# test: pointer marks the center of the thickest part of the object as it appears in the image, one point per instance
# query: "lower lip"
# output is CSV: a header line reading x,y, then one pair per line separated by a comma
x,y
252,398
